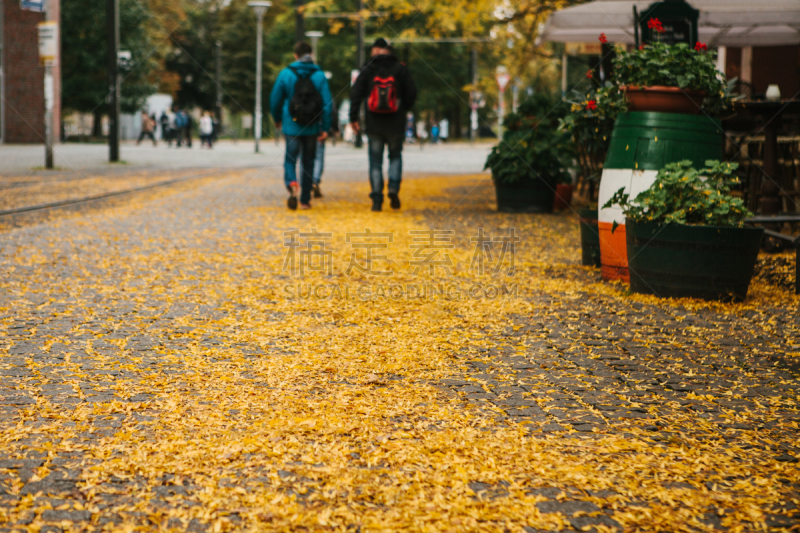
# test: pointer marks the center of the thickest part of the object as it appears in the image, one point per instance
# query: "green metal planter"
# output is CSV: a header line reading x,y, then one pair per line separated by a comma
x,y
675,260
590,238
532,195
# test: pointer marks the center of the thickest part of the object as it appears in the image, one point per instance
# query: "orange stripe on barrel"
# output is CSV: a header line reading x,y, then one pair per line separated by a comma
x,y
613,252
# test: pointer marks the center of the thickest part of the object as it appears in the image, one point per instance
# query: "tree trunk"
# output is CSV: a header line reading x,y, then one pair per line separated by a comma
x,y
97,124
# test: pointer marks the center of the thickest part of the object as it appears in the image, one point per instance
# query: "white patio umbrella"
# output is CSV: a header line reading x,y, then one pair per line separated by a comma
x,y
721,22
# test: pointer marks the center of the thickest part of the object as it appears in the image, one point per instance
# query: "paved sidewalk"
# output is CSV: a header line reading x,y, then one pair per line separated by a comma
x,y
162,366
453,158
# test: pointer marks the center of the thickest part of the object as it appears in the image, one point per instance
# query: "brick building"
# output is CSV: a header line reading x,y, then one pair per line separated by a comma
x,y
22,104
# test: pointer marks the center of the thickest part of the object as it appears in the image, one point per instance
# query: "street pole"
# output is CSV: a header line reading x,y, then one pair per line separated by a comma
x,y
515,96
360,56
112,29
502,82
49,100
473,116
260,9
299,22
360,60
314,36
48,55
218,61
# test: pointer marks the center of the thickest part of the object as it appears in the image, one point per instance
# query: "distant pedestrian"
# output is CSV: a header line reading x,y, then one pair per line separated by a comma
x,y
422,133
148,125
319,159
444,130
386,86
216,126
176,125
435,133
179,126
410,127
206,130
164,120
187,128
301,106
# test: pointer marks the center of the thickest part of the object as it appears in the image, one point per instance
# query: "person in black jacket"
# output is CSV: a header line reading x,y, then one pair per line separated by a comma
x,y
386,87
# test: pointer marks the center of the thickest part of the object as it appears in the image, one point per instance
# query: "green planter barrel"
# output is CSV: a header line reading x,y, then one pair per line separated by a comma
x,y
532,195
676,260
642,144
590,238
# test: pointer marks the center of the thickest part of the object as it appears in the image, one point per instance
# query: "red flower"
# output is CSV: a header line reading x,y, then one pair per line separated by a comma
x,y
591,105
589,74
603,38
655,24
700,46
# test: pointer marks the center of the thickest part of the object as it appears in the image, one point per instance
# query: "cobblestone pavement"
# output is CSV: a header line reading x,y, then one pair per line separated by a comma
x,y
160,369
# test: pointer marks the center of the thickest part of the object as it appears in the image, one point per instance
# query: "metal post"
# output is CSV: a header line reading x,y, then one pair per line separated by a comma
x,y
360,56
259,53
218,61
112,29
515,96
299,22
473,129
501,112
314,36
564,64
260,8
360,60
49,101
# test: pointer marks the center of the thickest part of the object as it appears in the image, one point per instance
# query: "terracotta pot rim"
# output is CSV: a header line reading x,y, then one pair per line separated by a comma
x,y
661,89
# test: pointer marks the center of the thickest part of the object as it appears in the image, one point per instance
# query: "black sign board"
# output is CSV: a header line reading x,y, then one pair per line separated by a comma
x,y
670,21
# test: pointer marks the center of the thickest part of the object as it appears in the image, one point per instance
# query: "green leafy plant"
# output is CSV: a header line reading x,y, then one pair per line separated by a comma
x,y
685,195
590,123
533,145
674,65
528,154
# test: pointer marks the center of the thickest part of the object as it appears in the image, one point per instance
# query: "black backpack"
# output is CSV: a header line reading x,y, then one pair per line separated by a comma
x,y
306,105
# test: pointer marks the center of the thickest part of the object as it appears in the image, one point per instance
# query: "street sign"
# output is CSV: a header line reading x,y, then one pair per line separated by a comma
x,y
477,100
48,41
32,5
502,78
125,62
669,22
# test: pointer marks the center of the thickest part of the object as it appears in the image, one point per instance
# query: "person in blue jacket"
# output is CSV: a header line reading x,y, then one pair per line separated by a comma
x,y
301,139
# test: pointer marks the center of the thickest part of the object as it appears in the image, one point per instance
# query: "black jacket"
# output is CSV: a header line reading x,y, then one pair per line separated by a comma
x,y
383,123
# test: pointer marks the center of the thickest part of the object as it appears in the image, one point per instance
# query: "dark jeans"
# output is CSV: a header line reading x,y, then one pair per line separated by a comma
x,y
305,147
144,134
376,145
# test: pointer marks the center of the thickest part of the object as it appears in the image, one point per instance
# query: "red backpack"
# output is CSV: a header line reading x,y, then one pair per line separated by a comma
x,y
383,94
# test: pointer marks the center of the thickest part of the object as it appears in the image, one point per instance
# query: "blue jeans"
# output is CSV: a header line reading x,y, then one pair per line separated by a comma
x,y
304,146
376,146
319,162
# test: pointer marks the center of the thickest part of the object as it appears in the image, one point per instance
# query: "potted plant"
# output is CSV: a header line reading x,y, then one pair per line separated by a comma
x,y
589,124
686,235
531,159
671,78
564,189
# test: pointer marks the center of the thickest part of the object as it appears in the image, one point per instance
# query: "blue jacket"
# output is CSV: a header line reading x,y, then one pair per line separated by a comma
x,y
282,94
